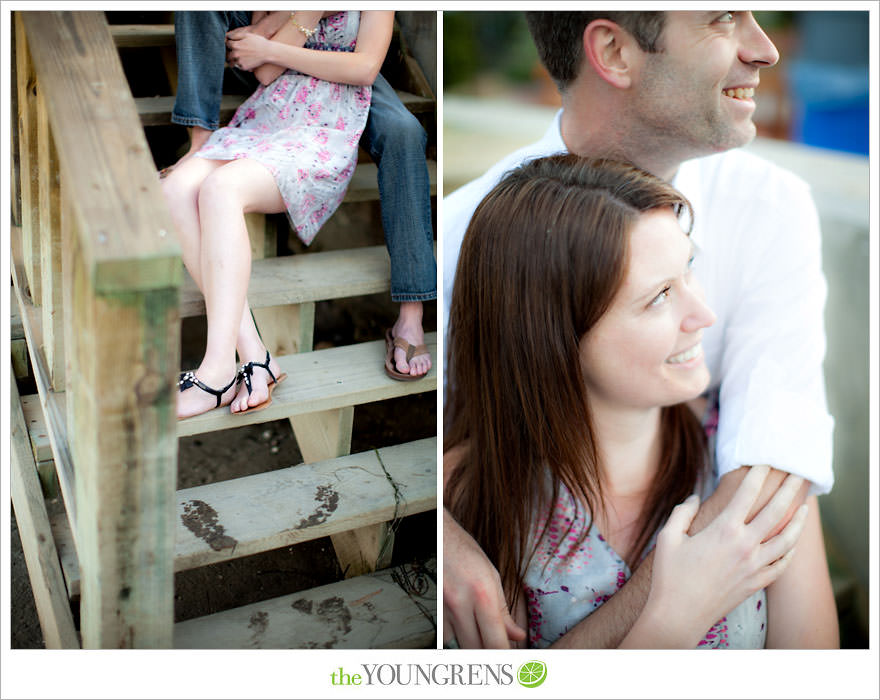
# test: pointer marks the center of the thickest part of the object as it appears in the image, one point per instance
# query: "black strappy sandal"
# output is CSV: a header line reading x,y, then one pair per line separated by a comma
x,y
247,371
189,379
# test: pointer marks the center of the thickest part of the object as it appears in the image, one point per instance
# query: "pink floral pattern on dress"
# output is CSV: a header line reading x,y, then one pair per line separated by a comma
x,y
304,130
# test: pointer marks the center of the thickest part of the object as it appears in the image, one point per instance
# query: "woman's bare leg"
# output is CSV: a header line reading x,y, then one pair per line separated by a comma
x,y
230,192
187,199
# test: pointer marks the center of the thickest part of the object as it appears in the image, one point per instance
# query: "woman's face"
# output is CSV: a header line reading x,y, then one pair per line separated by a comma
x,y
645,351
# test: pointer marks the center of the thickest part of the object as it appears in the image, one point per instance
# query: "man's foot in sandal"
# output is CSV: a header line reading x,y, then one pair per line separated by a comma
x,y
202,390
198,137
410,358
259,379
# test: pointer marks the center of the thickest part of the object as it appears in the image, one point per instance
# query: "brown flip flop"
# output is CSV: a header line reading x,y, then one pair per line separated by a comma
x,y
411,351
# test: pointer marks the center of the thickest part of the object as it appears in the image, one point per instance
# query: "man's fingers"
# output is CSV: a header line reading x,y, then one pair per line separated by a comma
x,y
448,632
493,628
514,631
770,515
466,633
747,492
680,519
785,541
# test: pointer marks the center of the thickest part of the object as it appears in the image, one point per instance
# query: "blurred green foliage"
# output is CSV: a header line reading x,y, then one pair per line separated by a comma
x,y
477,42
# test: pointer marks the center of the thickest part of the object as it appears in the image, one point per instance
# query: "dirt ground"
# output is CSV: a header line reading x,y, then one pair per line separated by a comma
x,y
234,453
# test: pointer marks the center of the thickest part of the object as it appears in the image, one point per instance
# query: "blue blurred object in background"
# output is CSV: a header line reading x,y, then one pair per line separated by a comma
x,y
829,81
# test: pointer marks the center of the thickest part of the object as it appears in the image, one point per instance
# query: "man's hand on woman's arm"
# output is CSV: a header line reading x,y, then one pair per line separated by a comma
x,y
609,624
475,612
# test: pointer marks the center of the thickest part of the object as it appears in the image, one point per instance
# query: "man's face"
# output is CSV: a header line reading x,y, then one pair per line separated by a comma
x,y
696,95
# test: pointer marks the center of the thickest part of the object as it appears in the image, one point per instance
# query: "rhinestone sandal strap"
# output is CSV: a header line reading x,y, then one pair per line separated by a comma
x,y
189,379
247,371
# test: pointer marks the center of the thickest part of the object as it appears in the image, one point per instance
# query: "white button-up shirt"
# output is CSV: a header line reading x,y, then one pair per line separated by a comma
x,y
759,260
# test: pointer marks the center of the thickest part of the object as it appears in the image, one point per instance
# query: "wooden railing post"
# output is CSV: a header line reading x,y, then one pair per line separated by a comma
x,y
27,144
50,246
121,273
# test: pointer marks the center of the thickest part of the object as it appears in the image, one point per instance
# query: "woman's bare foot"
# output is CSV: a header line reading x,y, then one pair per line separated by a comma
x,y
409,328
194,400
260,382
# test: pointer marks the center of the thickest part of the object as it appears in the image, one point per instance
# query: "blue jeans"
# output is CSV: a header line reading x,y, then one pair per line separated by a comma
x,y
393,137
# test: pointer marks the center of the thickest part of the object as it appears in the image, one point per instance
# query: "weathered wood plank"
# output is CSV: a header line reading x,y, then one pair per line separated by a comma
x,y
53,404
29,172
50,248
324,434
156,111
36,424
14,163
140,35
47,582
364,549
239,517
286,329
391,609
294,279
17,342
103,154
125,452
320,381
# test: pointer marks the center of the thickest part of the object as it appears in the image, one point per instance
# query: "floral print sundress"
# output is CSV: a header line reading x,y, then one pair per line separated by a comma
x,y
304,130
566,581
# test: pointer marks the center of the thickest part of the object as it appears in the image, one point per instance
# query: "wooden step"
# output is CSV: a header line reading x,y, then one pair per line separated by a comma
x,y
39,436
142,35
16,328
156,111
322,380
257,513
17,341
391,609
294,279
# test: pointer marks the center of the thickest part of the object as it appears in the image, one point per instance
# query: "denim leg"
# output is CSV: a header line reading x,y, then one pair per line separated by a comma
x,y
201,55
396,141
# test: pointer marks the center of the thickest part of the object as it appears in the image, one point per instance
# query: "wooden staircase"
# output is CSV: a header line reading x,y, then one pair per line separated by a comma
x,y
100,294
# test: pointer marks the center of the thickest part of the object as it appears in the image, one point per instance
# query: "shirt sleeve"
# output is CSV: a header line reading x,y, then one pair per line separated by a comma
x,y
773,406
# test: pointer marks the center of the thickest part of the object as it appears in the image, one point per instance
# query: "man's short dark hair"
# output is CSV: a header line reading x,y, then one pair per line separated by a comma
x,y
558,37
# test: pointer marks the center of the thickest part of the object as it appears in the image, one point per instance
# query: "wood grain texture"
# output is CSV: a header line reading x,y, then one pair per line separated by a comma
x,y
240,517
103,154
156,111
391,609
29,184
294,279
125,455
47,582
319,381
140,35
53,404
50,248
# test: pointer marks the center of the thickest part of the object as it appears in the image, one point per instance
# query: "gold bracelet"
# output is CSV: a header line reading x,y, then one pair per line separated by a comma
x,y
305,30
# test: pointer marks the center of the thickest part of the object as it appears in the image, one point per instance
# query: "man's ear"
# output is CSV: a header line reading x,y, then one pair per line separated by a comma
x,y
611,51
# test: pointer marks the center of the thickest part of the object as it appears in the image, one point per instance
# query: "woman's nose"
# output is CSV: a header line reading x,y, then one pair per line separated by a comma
x,y
698,315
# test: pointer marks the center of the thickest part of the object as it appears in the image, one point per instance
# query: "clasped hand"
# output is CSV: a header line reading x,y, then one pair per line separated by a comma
x,y
246,49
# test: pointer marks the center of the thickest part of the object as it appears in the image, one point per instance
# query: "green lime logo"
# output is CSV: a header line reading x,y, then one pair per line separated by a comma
x,y
531,674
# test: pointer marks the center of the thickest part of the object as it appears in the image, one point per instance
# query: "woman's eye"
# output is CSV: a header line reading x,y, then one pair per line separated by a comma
x,y
691,262
727,17
661,297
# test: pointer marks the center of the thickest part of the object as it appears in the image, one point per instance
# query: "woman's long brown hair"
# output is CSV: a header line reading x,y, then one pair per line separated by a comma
x,y
543,257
